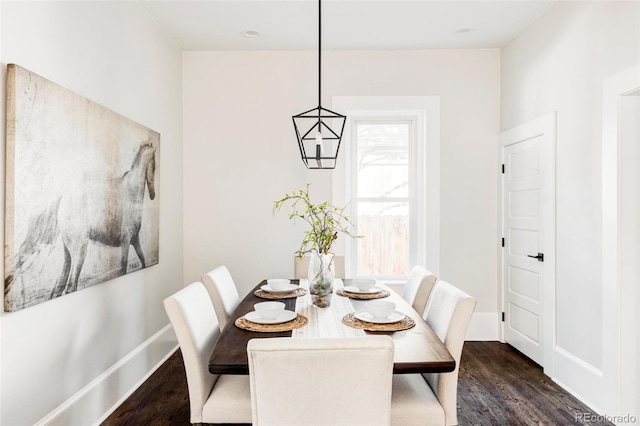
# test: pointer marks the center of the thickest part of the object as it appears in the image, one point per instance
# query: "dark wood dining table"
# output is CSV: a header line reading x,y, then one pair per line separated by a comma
x,y
416,350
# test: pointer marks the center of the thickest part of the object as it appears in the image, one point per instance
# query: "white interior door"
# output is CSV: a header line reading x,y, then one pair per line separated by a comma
x,y
528,232
523,237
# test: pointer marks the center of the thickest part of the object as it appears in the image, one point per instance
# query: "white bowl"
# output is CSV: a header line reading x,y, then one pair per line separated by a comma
x,y
364,285
278,284
269,310
380,308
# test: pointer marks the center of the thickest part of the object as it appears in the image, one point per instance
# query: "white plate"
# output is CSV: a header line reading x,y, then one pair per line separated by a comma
x,y
289,289
365,316
354,289
283,317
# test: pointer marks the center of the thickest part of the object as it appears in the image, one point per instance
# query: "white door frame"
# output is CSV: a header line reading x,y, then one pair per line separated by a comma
x,y
544,127
612,237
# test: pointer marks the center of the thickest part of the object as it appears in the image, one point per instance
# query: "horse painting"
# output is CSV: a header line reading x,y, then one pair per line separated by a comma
x,y
81,192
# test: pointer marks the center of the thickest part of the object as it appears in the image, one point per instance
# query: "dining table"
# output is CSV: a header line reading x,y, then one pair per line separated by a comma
x,y
416,350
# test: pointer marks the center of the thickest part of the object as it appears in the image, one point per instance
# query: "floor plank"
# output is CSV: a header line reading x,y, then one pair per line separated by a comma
x,y
497,386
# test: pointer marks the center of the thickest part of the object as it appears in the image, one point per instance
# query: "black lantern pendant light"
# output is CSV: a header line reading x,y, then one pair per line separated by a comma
x,y
318,142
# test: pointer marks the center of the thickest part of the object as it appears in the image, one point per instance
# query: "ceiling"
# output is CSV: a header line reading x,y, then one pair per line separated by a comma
x,y
347,24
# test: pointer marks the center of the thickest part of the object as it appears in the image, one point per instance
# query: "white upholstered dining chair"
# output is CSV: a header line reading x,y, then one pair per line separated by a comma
x,y
321,381
301,267
430,399
418,288
223,293
212,398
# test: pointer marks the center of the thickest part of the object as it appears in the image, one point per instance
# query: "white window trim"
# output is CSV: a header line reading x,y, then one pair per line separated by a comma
x,y
427,110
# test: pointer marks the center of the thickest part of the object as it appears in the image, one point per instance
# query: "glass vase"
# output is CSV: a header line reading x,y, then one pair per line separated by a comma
x,y
321,276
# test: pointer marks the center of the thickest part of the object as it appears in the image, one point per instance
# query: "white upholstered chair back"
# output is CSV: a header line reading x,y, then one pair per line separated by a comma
x,y
418,288
223,292
328,381
301,267
448,313
194,322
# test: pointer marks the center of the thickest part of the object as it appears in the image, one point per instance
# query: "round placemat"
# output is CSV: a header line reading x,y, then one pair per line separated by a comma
x,y
266,295
298,322
404,324
363,296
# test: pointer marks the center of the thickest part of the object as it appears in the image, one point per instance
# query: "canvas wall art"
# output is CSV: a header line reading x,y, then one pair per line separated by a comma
x,y
81,192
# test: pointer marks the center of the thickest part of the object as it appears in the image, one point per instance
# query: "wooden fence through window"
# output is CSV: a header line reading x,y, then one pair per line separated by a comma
x,y
384,250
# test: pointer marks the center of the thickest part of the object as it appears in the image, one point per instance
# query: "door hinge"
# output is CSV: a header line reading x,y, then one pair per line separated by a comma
x,y
503,317
502,241
503,169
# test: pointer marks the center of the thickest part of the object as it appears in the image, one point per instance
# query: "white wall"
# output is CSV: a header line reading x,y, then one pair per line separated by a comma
x,y
86,350
559,64
240,154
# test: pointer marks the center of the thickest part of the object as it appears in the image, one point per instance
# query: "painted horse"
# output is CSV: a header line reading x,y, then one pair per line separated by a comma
x,y
109,213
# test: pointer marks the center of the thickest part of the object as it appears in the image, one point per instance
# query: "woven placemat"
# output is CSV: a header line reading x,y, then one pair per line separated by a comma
x,y
363,296
266,295
298,322
404,324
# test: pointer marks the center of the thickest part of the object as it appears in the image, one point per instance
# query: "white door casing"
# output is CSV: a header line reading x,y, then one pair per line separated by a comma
x,y
620,205
629,253
528,229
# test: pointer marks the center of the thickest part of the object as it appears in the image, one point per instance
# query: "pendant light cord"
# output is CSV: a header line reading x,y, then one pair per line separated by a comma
x,y
319,63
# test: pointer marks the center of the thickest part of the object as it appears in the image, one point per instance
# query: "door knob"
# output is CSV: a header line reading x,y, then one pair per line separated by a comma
x,y
540,257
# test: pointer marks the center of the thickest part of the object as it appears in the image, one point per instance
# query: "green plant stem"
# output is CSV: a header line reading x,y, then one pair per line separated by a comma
x,y
325,220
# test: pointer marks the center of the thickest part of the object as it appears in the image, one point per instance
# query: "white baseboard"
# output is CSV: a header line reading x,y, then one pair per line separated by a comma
x,y
582,380
98,399
483,326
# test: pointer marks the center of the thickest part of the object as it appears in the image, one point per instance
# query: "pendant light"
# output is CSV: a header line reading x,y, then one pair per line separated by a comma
x,y
318,141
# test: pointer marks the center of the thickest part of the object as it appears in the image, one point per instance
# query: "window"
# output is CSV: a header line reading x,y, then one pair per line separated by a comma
x,y
384,195
389,175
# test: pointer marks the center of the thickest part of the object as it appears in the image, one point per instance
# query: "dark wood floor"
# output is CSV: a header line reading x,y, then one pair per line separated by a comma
x,y
497,386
